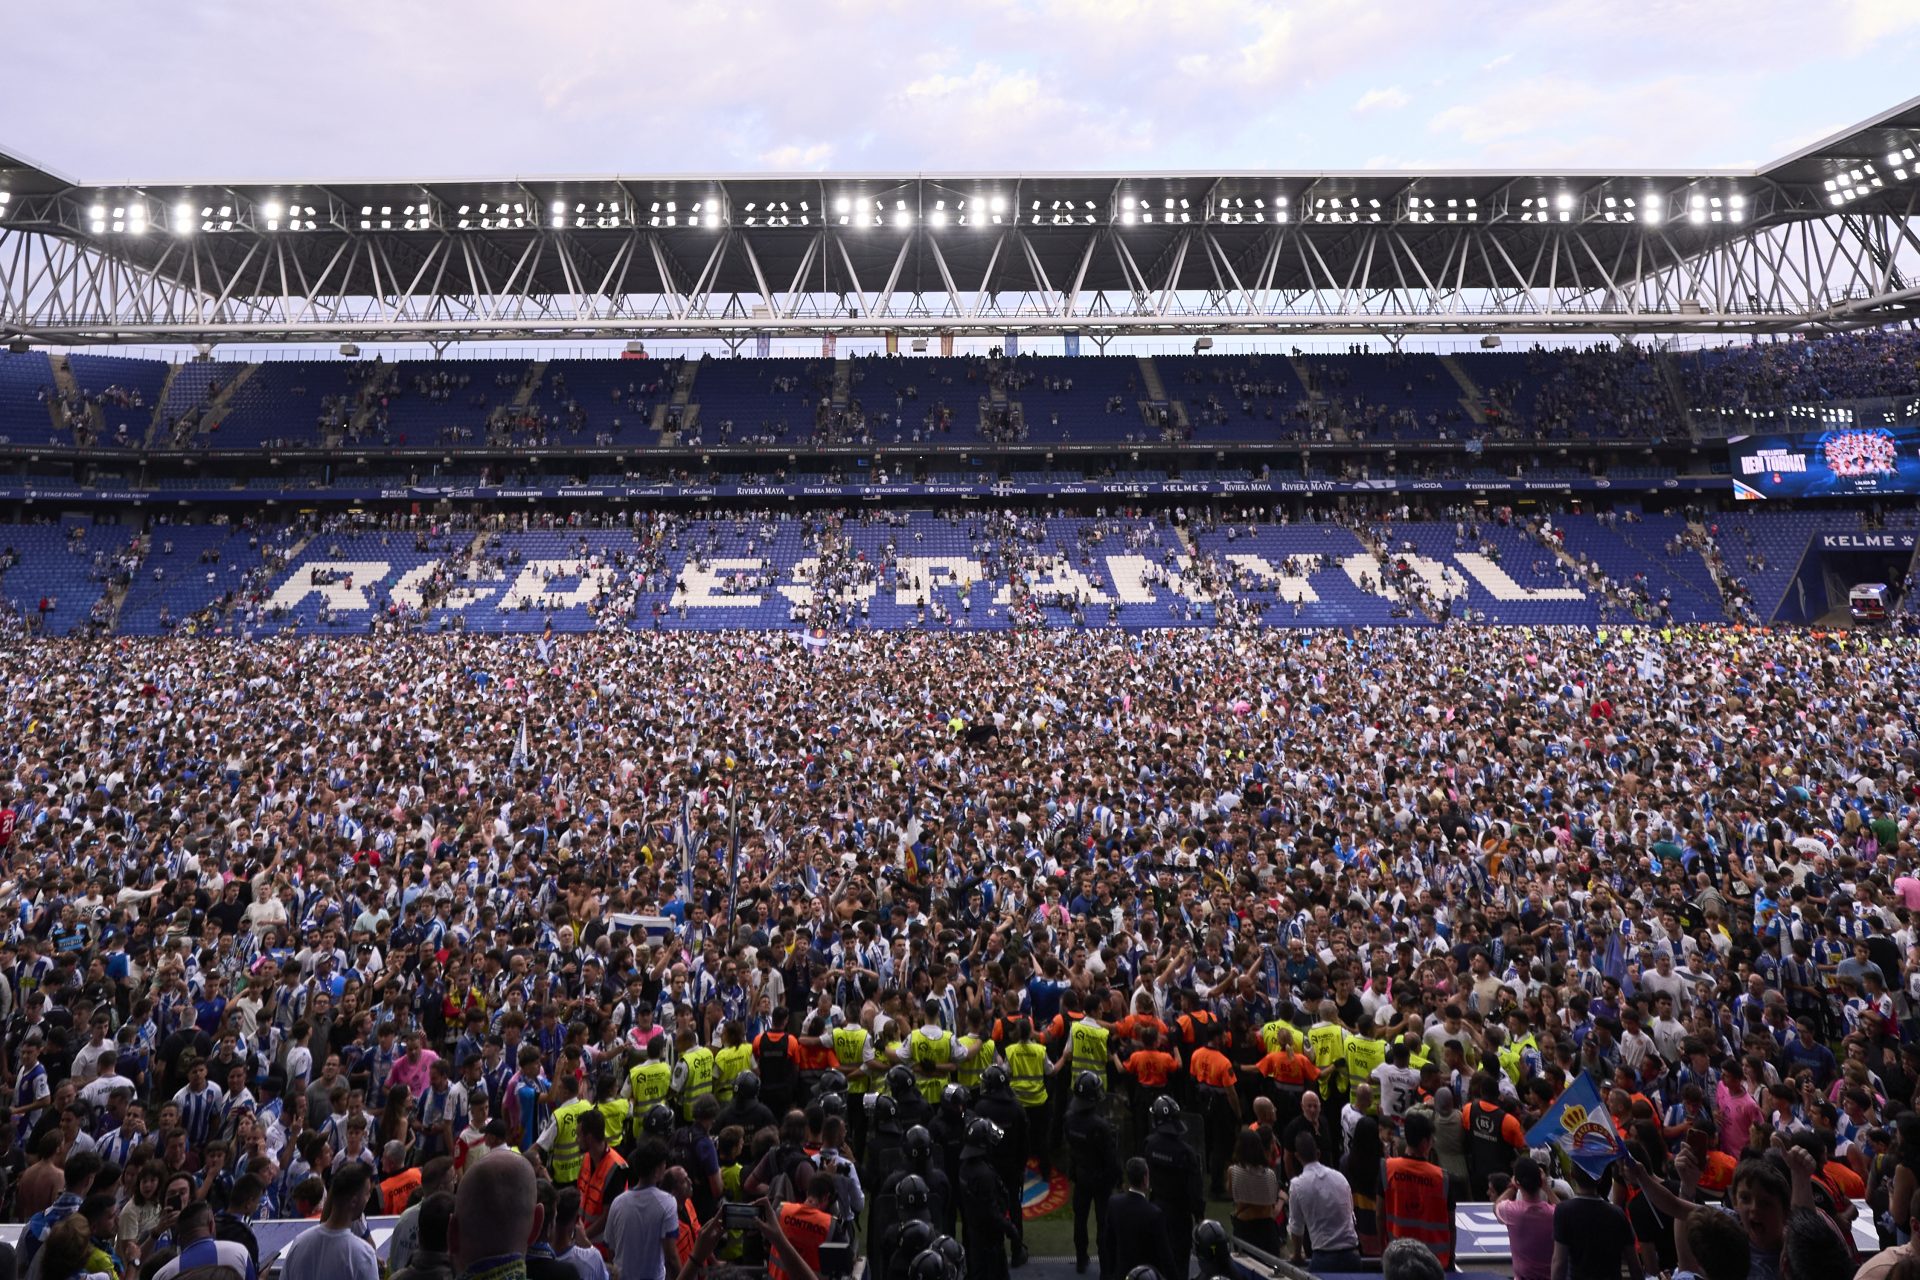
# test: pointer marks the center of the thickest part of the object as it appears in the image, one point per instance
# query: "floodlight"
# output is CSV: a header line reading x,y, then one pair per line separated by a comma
x,y
5,196
1128,216
902,218
1697,214
713,219
1127,203
559,206
559,220
842,205
366,210
1564,201
271,209
938,217
98,212
997,204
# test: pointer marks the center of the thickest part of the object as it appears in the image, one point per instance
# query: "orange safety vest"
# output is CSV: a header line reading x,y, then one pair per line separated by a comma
x,y
1413,1204
808,1058
1188,1022
1212,1068
807,1228
689,1233
396,1191
593,1181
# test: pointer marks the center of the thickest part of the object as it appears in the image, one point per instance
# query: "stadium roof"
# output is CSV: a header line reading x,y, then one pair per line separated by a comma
x,y
1820,238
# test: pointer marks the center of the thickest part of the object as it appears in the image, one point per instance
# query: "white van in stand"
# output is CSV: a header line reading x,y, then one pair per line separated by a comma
x,y
1868,602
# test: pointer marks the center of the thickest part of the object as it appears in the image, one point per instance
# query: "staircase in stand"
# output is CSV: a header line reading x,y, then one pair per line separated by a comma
x,y
1471,398
536,374
160,403
67,389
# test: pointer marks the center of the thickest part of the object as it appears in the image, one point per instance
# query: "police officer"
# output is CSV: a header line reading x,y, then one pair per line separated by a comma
x,y
659,1122
984,1209
900,1208
746,1109
997,1103
904,1088
885,1154
830,1093
1176,1184
920,1164
1214,1253
949,1131
1094,1152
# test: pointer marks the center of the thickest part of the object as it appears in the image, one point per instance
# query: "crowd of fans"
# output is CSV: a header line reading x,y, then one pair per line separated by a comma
x,y
1869,364
591,937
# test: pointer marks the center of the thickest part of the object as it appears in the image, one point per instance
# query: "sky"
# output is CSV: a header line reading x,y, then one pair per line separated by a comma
x,y
203,90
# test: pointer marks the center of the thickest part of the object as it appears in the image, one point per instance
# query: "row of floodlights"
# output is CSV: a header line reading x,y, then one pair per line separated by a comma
x,y
977,211
1864,178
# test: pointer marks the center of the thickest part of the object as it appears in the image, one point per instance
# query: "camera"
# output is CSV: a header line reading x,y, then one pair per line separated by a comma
x,y
739,1217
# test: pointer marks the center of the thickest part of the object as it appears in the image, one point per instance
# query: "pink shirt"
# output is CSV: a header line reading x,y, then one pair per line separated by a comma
x,y
1738,1114
412,1074
1529,1226
1909,890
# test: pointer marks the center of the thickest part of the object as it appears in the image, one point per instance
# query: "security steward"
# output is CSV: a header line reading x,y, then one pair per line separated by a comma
x,y
649,1083
1214,1093
1494,1134
930,1049
1414,1199
693,1074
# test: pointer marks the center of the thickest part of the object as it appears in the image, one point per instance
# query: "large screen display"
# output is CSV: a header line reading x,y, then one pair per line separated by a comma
x,y
1839,462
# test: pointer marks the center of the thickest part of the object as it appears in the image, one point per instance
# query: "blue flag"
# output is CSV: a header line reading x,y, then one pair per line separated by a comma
x,y
1578,1125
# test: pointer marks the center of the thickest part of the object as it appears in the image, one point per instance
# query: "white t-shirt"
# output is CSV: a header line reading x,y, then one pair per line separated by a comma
x,y
326,1254
299,1066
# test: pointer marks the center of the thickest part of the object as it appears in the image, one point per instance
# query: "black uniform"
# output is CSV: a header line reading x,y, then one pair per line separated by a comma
x,y
912,1110
885,1258
1010,1157
949,1130
986,1216
1094,1152
752,1117
1176,1188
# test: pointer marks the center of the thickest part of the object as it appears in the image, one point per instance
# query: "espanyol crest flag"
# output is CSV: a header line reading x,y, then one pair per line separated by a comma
x,y
1578,1125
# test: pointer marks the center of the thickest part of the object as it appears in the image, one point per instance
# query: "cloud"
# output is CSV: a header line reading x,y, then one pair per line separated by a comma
x,y
793,157
1389,99
601,86
1579,124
